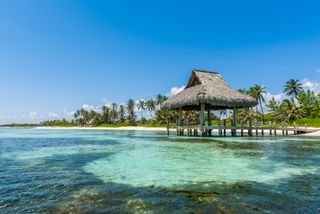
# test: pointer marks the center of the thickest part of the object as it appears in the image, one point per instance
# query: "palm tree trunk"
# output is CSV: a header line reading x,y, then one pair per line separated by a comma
x,y
141,115
151,114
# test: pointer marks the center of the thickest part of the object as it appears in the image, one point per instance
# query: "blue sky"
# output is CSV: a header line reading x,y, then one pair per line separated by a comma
x,y
57,55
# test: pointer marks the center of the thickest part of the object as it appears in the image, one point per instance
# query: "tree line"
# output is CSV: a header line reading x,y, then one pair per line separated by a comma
x,y
298,103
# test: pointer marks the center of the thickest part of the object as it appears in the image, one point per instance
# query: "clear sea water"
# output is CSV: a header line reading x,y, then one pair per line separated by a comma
x,y
90,171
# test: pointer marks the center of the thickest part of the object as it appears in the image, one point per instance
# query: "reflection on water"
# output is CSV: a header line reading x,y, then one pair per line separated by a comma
x,y
64,171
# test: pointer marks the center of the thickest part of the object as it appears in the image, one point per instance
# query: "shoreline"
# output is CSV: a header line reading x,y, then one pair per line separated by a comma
x,y
123,128
142,128
139,128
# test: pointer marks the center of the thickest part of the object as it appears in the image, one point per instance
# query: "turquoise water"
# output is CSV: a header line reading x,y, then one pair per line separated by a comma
x,y
82,171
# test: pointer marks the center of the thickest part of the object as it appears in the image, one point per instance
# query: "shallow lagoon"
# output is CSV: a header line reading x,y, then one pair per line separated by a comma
x,y
84,171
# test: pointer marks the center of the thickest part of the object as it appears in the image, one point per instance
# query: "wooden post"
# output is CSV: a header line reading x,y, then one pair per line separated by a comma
x,y
270,128
177,126
224,128
231,130
187,124
256,127
250,127
168,131
286,129
219,125
275,128
234,121
209,121
180,121
241,128
202,118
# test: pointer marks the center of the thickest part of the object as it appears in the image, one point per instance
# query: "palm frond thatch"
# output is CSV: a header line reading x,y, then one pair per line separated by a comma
x,y
208,88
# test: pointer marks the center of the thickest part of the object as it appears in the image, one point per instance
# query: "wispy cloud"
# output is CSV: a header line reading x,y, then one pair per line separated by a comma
x,y
106,102
318,70
88,107
51,114
68,114
175,90
312,85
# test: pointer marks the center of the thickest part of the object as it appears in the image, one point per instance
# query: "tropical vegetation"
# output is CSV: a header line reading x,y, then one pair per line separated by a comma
x,y
300,105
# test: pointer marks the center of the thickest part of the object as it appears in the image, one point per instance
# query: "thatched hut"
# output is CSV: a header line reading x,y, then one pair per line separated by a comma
x,y
208,91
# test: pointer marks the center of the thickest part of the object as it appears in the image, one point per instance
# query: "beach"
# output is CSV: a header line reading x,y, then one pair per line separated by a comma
x,y
124,128
161,129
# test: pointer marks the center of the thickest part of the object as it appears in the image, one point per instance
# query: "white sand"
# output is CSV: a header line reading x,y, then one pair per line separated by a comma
x,y
125,128
163,129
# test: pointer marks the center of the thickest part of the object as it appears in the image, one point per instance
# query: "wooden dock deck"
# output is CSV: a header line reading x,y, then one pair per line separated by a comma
x,y
198,130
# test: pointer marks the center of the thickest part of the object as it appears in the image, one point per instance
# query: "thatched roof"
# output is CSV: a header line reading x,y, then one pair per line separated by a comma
x,y
208,88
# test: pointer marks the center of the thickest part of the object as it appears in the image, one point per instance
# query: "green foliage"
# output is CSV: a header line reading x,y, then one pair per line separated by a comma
x,y
310,122
292,88
131,117
302,107
61,123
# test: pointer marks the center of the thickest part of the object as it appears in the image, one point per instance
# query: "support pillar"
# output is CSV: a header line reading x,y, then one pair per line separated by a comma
x,y
209,121
202,118
219,125
234,131
180,121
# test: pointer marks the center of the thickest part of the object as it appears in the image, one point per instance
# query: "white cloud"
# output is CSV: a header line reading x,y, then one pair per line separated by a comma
x,y
34,115
68,114
312,85
106,102
88,107
51,114
268,96
175,90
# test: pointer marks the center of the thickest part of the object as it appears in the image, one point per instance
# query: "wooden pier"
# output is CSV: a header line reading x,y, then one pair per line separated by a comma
x,y
248,130
207,92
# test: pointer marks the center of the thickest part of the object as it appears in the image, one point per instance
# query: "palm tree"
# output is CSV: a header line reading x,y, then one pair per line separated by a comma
x,y
131,113
243,90
151,106
85,116
105,114
289,111
309,103
95,118
257,92
122,113
273,107
141,107
247,114
114,112
158,99
292,88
